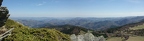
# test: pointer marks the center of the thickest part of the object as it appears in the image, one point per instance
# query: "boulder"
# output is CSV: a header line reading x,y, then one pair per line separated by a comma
x,y
86,37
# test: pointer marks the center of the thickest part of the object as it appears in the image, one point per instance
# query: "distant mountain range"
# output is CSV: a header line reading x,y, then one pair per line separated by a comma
x,y
90,23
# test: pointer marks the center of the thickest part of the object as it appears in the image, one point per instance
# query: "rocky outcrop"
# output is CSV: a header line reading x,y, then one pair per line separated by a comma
x,y
3,15
86,37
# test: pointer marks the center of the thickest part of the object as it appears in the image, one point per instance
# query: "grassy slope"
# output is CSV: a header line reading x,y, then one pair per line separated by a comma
x,y
137,27
131,38
24,33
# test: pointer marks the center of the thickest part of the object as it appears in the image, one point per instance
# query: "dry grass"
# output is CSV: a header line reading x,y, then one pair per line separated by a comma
x,y
137,27
137,38
131,38
114,39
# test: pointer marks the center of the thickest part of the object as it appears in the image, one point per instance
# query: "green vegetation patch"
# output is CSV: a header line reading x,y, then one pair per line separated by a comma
x,y
24,33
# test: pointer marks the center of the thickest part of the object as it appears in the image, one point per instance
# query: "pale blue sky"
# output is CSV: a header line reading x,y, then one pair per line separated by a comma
x,y
75,8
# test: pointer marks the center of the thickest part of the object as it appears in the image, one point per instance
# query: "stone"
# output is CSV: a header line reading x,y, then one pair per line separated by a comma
x,y
86,37
2,30
73,37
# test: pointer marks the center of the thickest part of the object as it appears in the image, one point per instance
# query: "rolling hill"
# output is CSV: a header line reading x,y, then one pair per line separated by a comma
x,y
70,29
90,23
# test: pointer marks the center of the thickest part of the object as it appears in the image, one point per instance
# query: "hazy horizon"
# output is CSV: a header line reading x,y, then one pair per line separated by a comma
x,y
77,17
75,8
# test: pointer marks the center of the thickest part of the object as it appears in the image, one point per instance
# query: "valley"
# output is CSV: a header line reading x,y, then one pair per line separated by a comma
x,y
131,31
89,23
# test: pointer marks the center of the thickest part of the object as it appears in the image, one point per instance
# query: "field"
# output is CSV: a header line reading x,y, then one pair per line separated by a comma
x,y
131,38
137,27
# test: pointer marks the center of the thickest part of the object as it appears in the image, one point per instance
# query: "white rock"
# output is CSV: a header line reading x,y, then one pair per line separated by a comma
x,y
86,37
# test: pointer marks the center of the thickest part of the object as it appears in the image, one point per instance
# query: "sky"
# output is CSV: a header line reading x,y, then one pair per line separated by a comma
x,y
74,8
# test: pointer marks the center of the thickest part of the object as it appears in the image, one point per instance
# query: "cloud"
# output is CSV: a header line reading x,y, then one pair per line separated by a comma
x,y
40,4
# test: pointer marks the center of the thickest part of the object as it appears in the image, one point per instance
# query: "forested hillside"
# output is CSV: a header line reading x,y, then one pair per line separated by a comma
x,y
129,32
